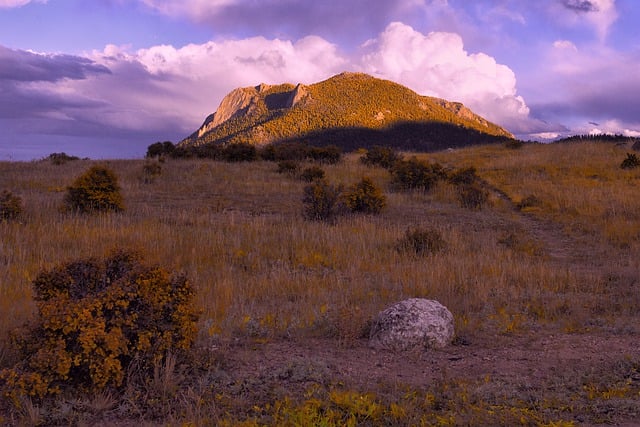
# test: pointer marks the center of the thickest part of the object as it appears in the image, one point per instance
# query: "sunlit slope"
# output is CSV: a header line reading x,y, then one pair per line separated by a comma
x,y
348,109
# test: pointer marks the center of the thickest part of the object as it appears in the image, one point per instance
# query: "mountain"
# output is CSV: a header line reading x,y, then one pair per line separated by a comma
x,y
351,110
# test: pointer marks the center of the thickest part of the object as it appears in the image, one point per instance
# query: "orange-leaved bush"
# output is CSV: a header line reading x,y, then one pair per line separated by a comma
x,y
365,197
95,190
97,317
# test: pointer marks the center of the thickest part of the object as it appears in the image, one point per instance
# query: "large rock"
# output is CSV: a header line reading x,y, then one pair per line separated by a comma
x,y
413,323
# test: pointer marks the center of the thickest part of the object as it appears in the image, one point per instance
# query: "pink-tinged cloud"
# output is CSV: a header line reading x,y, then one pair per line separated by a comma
x,y
437,64
8,4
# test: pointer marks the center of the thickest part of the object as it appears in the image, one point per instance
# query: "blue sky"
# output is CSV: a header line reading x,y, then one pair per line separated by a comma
x,y
107,78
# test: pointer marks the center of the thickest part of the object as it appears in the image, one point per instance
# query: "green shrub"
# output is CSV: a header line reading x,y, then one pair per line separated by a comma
x,y
422,241
10,206
365,197
313,173
631,162
288,167
384,157
321,200
416,174
95,190
472,196
97,319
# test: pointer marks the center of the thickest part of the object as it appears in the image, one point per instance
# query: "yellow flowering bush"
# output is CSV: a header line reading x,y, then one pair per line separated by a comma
x,y
97,317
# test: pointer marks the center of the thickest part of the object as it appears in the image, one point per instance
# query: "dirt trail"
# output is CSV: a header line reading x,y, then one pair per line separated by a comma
x,y
575,251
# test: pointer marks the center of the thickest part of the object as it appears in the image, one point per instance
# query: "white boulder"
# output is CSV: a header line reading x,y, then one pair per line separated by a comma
x,y
411,324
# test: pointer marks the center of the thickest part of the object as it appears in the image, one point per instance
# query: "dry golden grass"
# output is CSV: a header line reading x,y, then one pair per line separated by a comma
x,y
263,271
238,232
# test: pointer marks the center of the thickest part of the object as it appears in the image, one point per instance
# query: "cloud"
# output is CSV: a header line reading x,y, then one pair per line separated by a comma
x,y
7,4
598,85
330,19
436,64
601,14
24,66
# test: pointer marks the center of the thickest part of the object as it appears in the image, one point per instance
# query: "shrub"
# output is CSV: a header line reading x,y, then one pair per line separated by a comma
x,y
289,167
416,174
472,196
61,158
97,319
240,152
385,157
160,149
10,206
631,162
321,200
365,197
513,144
150,171
285,151
208,151
464,176
95,190
312,173
330,154
422,241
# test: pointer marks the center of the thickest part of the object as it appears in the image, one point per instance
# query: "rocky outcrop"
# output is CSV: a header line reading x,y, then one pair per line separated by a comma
x,y
412,324
238,102
297,95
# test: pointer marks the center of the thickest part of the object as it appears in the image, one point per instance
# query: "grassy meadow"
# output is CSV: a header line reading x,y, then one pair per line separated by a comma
x,y
556,248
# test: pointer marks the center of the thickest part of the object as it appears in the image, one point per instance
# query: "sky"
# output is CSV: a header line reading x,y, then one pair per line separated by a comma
x,y
107,78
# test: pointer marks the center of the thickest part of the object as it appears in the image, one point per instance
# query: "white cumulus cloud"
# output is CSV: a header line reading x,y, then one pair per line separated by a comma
x,y
437,64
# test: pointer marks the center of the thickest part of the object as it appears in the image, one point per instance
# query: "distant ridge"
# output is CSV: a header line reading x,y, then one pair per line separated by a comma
x,y
350,110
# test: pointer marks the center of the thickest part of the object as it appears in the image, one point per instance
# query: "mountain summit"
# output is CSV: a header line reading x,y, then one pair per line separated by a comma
x,y
351,110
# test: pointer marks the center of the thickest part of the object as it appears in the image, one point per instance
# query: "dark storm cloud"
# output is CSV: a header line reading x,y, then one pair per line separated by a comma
x,y
23,66
580,5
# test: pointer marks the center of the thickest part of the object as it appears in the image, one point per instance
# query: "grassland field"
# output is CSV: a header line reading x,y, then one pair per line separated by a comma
x,y
554,252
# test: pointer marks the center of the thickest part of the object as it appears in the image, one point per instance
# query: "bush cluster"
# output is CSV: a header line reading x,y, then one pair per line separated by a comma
x,y
97,319
10,206
365,197
631,162
385,157
150,171
288,167
324,201
312,173
95,190
472,196
416,174
246,152
61,158
161,149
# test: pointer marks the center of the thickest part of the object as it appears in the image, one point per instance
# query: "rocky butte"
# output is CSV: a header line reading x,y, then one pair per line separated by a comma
x,y
351,110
